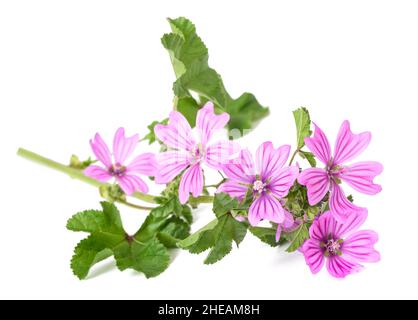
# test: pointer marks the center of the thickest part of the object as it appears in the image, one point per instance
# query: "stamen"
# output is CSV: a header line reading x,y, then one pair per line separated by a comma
x,y
259,186
117,170
332,247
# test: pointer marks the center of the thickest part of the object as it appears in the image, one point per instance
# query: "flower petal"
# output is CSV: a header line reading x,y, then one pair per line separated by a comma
x,y
317,182
170,165
283,180
314,255
123,147
319,145
219,153
191,182
266,207
145,164
339,267
270,160
349,145
207,122
289,221
353,222
340,206
101,150
98,173
322,227
241,169
234,189
131,184
360,246
177,134
360,176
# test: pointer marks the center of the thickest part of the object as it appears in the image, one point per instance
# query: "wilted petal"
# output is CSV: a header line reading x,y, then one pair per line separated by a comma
x,y
123,147
98,173
270,160
191,182
266,207
101,150
219,154
314,255
241,169
131,184
349,145
319,145
283,180
340,206
207,122
360,246
145,164
360,176
339,267
317,182
177,134
234,189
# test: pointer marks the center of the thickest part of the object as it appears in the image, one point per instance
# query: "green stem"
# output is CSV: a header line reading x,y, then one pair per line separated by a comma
x,y
293,156
74,173
79,175
135,206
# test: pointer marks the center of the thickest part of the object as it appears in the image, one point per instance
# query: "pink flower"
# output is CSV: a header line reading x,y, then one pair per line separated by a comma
x,y
189,154
359,175
125,175
340,244
268,181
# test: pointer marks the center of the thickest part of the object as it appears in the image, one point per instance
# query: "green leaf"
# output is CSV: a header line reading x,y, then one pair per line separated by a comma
x,y
297,237
142,252
151,137
175,230
193,238
266,235
219,234
189,108
223,204
189,57
303,126
219,239
150,258
245,113
86,254
309,157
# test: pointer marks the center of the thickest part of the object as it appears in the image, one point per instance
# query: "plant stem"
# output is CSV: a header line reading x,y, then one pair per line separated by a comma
x,y
135,206
79,175
293,156
74,173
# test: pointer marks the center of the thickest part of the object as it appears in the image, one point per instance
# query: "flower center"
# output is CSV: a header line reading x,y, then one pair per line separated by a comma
x,y
334,172
332,247
259,186
197,153
117,170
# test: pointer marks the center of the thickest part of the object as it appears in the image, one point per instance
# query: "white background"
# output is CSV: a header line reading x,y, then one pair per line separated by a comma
x,y
71,68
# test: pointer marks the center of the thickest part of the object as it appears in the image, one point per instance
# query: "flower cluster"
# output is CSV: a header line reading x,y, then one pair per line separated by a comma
x,y
263,181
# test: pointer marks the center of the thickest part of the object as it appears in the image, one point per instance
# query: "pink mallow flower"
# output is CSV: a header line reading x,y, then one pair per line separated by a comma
x,y
267,180
188,154
341,245
125,175
358,175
